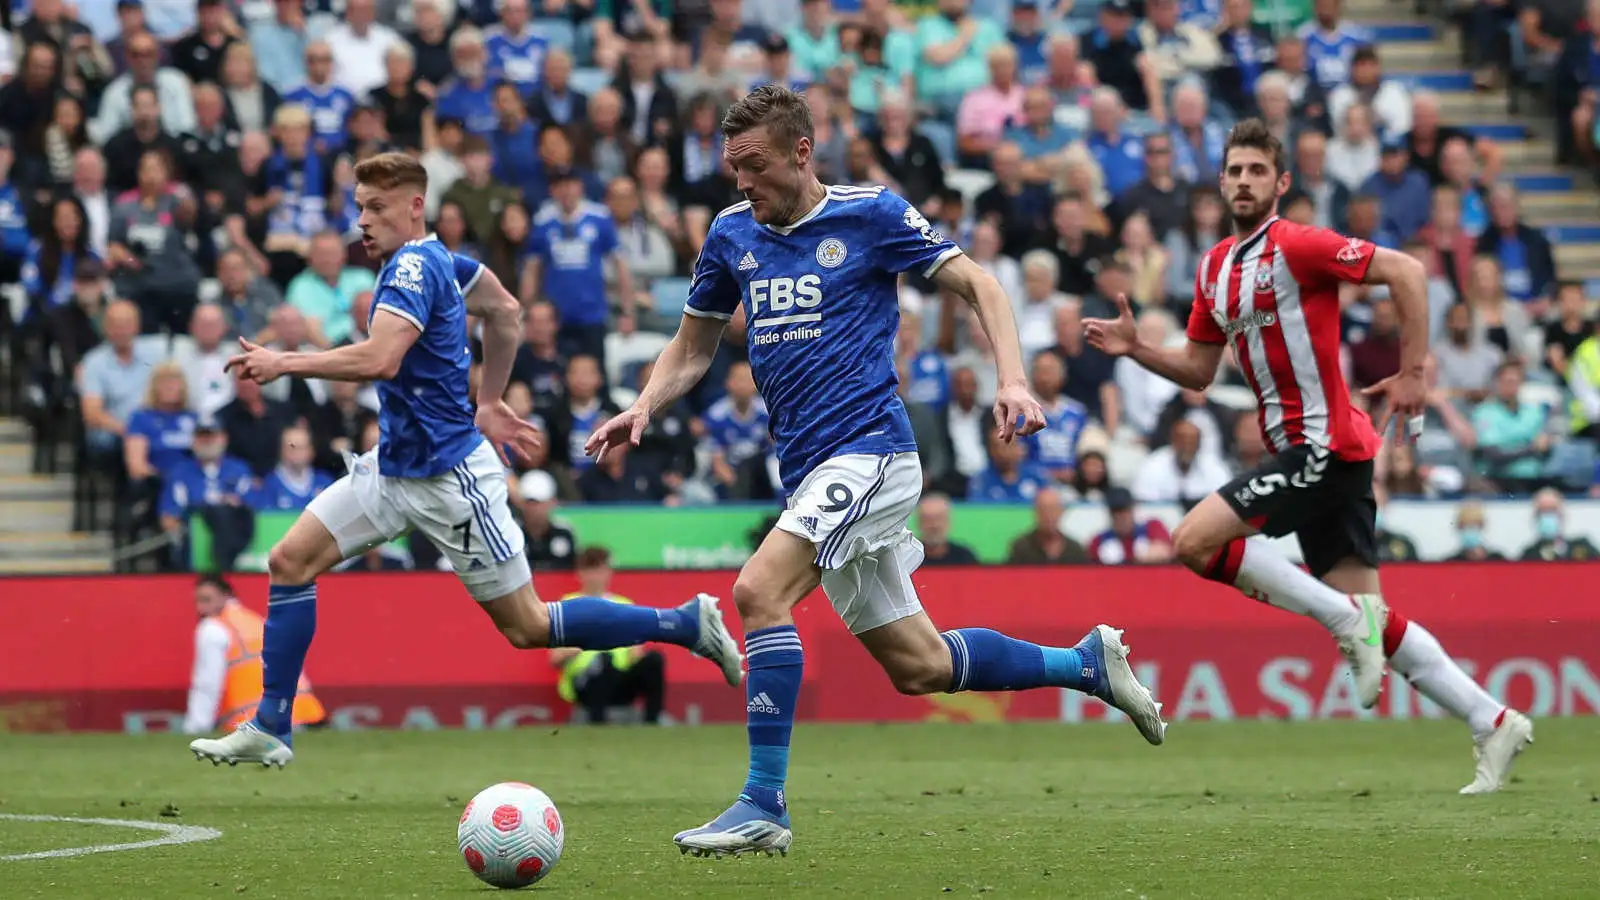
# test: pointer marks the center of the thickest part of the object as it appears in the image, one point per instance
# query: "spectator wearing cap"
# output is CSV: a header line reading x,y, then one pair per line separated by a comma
x,y
280,45
213,485
173,100
554,101
199,53
571,243
1390,103
550,545
327,102
468,96
986,112
112,380
26,102
778,66
1401,190
952,48
1247,53
1173,46
814,40
294,483
1046,543
1114,49
358,43
1129,540
49,261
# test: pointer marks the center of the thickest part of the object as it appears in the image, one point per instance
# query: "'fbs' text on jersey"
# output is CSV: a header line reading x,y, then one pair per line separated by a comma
x,y
426,420
822,307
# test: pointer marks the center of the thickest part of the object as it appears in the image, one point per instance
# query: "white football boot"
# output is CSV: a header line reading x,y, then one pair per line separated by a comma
x,y
1496,751
715,643
245,744
1363,647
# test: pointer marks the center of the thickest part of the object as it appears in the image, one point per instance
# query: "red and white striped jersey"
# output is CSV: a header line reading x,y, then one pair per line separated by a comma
x,y
1275,297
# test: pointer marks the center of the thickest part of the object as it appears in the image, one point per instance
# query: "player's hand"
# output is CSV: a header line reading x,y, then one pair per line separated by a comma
x,y
1406,398
504,428
627,427
1113,337
256,363
1013,402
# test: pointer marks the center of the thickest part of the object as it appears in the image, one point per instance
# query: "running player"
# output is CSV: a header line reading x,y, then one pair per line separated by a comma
x,y
433,470
815,268
1272,292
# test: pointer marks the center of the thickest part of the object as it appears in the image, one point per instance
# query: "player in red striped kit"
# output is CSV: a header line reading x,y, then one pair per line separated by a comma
x,y
1271,292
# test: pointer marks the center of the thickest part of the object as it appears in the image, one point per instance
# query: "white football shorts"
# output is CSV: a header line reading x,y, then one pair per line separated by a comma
x,y
464,512
854,510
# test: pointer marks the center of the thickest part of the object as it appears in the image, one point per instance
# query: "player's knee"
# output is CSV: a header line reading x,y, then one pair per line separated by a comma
x,y
1193,547
759,605
286,566
918,677
526,635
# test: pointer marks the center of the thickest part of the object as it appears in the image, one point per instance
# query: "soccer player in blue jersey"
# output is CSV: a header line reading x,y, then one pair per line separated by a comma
x,y
815,268
437,467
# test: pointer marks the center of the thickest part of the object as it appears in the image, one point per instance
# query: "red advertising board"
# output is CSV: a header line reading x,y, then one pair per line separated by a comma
x,y
409,650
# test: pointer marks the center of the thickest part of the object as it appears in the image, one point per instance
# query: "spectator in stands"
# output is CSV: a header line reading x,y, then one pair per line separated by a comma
x,y
1054,448
251,101
964,427
1274,103
326,101
1046,543
539,364
1364,219
1249,449
933,529
670,440
75,328
1089,371
649,108
359,43
1377,355
66,134
171,93
951,50
324,292
1015,204
646,251
738,435
148,245
294,483
477,192
986,112
1161,196
1128,539
246,298
1499,321
1392,546
1570,328
1549,524
1387,98
1247,53
1035,309
571,244
467,96
1216,422
697,161
602,682
113,379
211,149
1011,477
1145,261
907,156
401,101
1330,199
1427,139
1201,229
131,22
254,425
336,425
1180,472
1512,436
47,268
1528,270
451,230
1446,248
27,102
295,184
1077,249
1402,191
279,43
587,404
213,485
199,54
127,147
1197,142
1354,153
201,355
925,377
1118,152
624,477
1466,362
1173,47
1143,393
160,433
1470,521
1457,166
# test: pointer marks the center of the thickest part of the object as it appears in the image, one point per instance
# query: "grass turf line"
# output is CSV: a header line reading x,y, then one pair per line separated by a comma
x,y
1248,809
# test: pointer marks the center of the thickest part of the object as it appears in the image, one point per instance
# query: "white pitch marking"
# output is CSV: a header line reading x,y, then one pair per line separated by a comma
x,y
170,835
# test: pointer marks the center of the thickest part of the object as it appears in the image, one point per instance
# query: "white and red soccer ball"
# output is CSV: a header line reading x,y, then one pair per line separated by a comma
x,y
511,835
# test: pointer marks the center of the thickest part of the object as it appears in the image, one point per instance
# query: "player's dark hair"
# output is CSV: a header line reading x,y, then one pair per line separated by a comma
x,y
387,171
785,114
1253,134
593,558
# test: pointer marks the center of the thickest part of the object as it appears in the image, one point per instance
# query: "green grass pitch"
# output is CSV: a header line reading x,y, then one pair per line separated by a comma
x,y
1243,810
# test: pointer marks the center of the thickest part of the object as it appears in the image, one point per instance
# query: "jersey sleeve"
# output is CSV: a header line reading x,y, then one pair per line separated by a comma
x,y
403,288
1203,328
713,291
467,272
905,240
1323,255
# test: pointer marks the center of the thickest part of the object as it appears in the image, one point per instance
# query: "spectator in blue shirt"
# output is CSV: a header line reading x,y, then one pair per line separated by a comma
x,y
1010,477
328,104
1028,36
1402,191
737,432
515,161
571,242
213,485
516,52
160,432
554,102
14,234
48,263
1331,45
1119,153
1039,135
469,96
293,484
1055,447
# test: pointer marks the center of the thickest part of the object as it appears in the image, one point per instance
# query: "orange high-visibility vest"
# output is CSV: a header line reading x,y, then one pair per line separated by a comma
x,y
242,686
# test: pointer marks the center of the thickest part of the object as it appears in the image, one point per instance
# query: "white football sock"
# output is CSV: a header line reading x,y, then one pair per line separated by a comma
x,y
1270,577
1436,676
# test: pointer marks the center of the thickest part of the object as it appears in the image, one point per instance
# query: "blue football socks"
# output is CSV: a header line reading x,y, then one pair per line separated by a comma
x,y
594,623
772,688
291,622
985,660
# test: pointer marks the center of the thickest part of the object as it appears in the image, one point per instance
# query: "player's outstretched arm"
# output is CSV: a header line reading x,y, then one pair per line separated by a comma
x,y
502,333
967,280
1406,390
683,362
376,358
1193,365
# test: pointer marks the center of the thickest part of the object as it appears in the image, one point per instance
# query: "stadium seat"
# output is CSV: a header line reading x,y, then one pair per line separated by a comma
x,y
669,294
970,182
558,32
588,81
626,353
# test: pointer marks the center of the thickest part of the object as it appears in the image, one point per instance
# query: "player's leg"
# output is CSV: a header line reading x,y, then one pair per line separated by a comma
x,y
1278,498
334,527
780,574
466,514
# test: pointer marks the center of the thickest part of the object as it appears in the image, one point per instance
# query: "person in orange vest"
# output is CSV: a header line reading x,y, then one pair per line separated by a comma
x,y
597,680
225,685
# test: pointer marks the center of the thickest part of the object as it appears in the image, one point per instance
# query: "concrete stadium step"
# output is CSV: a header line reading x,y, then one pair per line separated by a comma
x,y
52,545
84,566
34,487
1573,206
1577,260
15,431
16,459
37,515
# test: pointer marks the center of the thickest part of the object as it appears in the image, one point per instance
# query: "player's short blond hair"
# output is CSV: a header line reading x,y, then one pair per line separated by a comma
x,y
387,171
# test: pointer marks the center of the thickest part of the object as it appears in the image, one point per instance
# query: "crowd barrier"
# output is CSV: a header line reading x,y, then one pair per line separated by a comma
x,y
409,650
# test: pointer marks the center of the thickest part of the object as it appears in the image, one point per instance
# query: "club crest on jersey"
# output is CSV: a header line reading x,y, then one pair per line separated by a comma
x,y
408,273
1350,253
830,253
1264,279
916,222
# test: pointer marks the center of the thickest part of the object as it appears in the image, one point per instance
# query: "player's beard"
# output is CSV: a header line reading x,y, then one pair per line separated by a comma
x,y
1245,223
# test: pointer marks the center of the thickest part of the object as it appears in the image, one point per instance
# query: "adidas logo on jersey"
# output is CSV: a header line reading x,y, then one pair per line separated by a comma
x,y
476,565
810,523
761,703
749,262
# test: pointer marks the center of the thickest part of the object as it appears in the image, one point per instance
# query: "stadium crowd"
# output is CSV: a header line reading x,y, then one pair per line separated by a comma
x,y
174,175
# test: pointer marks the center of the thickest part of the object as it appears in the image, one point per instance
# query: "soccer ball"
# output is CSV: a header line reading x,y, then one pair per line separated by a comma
x,y
511,835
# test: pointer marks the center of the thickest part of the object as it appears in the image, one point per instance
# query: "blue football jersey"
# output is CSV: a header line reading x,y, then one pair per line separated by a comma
x,y
426,421
517,59
1056,445
822,308
737,437
1328,54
